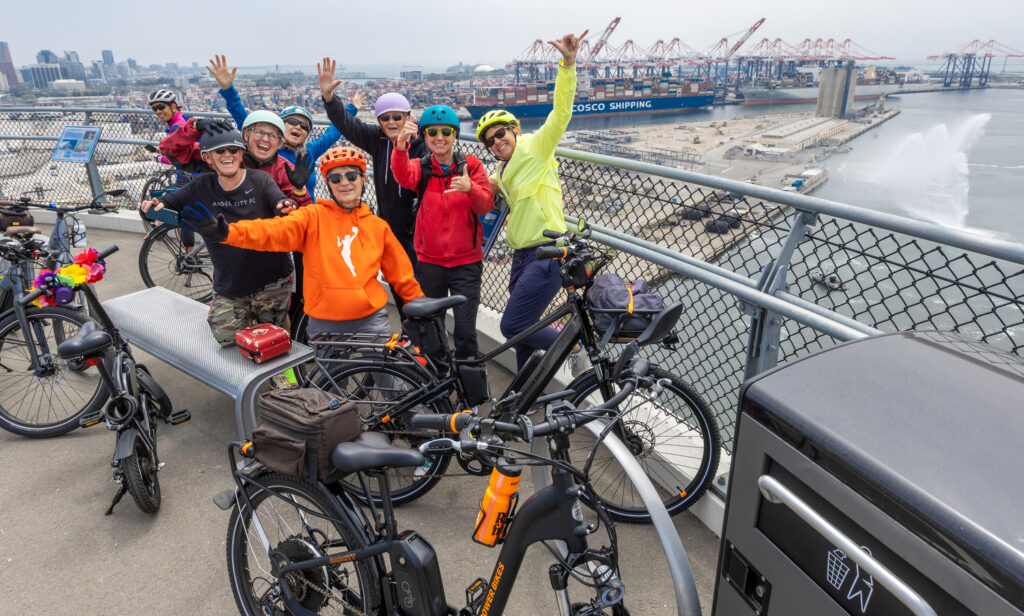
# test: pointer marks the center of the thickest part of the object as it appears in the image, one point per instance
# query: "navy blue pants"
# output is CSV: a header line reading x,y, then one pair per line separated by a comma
x,y
532,285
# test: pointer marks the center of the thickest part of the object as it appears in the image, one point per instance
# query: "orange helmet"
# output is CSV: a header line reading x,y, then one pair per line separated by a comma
x,y
341,157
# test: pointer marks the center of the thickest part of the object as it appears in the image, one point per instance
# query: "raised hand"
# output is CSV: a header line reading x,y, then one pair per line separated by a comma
x,y
219,69
299,174
460,183
568,46
358,99
408,131
325,75
213,125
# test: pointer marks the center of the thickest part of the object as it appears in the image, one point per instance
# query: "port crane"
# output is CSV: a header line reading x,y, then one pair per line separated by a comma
x,y
718,55
971,60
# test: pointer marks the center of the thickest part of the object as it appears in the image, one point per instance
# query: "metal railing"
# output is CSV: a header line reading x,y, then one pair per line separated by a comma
x,y
745,260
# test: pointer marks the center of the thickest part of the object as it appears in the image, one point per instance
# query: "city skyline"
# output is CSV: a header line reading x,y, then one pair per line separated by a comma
x,y
490,34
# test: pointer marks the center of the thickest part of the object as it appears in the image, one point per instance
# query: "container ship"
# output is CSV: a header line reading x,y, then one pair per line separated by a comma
x,y
610,96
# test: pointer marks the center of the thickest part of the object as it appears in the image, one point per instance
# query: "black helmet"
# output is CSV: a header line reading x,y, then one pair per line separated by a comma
x,y
213,139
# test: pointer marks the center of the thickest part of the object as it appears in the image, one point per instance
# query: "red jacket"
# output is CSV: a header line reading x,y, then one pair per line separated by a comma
x,y
182,146
448,231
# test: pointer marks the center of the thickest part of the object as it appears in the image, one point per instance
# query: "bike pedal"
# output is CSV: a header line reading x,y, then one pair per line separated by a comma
x,y
179,417
91,419
475,595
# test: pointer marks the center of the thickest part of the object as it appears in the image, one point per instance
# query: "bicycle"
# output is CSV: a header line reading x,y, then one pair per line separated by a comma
x,y
171,256
296,547
136,399
676,440
42,395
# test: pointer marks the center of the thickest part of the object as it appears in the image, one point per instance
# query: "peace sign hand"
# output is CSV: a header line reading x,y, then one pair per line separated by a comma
x,y
568,46
460,183
325,75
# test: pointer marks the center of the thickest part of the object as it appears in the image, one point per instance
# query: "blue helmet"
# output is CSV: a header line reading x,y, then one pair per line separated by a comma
x,y
439,115
295,110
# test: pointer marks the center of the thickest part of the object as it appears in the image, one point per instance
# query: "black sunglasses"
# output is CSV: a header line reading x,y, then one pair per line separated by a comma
x,y
297,122
498,134
230,149
394,117
158,107
351,176
433,130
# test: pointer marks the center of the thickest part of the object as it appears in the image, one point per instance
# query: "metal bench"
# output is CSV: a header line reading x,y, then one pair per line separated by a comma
x,y
173,328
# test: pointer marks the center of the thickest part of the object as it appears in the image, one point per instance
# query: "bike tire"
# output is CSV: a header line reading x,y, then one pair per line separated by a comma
x,y
47,405
370,387
162,263
298,535
678,426
140,478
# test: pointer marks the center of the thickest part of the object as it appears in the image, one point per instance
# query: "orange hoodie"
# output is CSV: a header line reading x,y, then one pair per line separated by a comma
x,y
341,254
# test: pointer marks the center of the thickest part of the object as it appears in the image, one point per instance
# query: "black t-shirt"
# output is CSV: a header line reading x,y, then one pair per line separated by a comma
x,y
237,272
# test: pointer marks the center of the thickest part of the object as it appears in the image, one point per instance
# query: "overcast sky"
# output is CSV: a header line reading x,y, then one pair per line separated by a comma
x,y
439,32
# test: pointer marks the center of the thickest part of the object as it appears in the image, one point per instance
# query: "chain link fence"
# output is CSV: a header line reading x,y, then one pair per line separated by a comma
x,y
887,280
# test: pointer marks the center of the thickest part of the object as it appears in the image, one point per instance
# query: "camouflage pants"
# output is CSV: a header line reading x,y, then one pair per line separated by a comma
x,y
228,315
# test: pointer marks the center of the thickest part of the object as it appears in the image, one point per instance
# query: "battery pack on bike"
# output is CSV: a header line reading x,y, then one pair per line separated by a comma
x,y
499,503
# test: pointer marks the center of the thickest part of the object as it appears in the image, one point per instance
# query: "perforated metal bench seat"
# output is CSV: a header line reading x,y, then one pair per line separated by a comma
x,y
173,328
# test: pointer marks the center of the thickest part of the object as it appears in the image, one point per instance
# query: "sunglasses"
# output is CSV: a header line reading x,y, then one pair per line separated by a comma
x,y
158,107
230,149
393,117
433,130
351,176
498,134
297,122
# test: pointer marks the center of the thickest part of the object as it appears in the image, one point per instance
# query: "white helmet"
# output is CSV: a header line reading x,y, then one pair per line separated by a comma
x,y
161,96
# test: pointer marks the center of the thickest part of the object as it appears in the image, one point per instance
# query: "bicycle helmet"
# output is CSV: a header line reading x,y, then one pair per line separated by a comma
x,y
342,157
439,115
296,111
213,139
391,101
492,117
161,96
266,117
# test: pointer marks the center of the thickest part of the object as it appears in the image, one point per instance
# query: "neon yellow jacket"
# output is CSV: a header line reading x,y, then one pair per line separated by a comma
x,y
529,180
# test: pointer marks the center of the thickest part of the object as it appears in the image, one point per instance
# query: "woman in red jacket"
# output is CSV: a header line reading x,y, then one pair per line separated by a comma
x,y
453,193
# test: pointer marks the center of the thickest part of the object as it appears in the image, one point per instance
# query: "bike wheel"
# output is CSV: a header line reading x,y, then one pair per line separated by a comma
x,y
163,262
139,474
48,401
297,535
673,436
375,391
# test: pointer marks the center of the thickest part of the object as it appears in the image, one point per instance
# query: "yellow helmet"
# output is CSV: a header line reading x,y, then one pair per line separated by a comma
x,y
495,116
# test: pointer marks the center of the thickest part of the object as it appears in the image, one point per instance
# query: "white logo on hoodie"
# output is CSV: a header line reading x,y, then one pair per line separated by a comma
x,y
346,249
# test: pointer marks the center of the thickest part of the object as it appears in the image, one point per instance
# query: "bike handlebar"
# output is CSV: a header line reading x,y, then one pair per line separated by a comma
x,y
552,252
35,294
552,234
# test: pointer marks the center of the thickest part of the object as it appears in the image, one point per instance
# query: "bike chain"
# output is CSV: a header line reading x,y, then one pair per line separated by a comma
x,y
347,608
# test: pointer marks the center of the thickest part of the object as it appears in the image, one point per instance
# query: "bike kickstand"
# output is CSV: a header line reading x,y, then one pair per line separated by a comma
x,y
121,491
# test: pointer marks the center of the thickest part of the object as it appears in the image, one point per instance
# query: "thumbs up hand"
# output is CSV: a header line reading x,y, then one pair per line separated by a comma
x,y
460,183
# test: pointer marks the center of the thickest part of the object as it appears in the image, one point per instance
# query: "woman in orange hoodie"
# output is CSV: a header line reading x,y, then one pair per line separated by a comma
x,y
343,247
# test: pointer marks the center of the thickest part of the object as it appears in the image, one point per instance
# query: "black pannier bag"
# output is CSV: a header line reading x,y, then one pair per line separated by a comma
x,y
623,309
13,218
299,428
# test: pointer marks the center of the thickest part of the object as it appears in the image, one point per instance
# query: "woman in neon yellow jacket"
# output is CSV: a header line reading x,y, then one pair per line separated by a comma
x,y
528,177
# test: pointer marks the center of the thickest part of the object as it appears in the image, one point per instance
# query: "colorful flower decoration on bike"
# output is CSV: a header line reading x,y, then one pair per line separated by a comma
x,y
60,285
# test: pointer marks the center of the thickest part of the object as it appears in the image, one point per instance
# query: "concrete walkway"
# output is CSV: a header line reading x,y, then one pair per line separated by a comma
x,y
60,555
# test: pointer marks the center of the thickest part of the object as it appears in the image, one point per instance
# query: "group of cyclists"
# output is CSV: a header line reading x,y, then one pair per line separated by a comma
x,y
255,206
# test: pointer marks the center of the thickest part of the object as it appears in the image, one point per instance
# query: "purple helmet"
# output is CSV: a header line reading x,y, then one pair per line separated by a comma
x,y
391,101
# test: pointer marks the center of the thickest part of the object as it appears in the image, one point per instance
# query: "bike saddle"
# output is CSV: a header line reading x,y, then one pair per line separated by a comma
x,y
89,340
372,450
19,230
423,307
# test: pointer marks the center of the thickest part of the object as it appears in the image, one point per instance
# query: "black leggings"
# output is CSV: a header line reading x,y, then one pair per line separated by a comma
x,y
437,281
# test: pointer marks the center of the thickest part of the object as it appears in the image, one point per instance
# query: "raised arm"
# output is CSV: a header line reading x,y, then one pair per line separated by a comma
x,y
225,79
546,139
361,134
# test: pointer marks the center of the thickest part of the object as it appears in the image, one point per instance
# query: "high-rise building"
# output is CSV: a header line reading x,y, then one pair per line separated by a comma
x,y
26,74
3,83
71,67
98,71
7,65
71,56
108,57
43,74
132,64
45,56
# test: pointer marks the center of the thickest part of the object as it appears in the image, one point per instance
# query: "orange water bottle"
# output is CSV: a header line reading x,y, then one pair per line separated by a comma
x,y
499,501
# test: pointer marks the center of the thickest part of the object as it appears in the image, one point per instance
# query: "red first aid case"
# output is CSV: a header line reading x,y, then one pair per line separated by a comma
x,y
263,342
